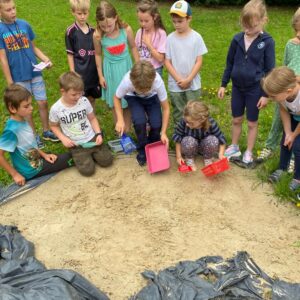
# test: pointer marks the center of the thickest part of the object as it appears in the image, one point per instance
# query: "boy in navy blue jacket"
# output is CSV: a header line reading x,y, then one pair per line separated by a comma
x,y
250,57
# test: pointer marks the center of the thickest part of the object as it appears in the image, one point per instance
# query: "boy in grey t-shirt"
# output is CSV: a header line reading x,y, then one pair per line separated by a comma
x,y
185,48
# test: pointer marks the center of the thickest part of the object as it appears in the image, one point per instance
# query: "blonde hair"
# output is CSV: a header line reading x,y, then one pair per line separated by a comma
x,y
142,75
197,111
14,94
81,5
151,7
106,10
71,80
279,80
296,20
254,9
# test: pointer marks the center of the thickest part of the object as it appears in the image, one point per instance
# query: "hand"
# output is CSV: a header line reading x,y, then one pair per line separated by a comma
x,y
221,155
102,82
147,40
67,142
19,179
289,140
48,61
99,140
120,126
184,83
164,139
180,160
262,102
221,92
51,158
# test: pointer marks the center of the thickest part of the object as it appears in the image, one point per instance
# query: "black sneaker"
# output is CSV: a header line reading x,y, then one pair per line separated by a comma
x,y
141,159
50,136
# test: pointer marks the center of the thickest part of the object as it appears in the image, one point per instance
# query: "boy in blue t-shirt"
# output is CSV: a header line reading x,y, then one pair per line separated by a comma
x,y
28,161
18,55
81,51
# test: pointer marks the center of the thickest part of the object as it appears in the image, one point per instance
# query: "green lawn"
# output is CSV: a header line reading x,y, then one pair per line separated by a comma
x,y
216,25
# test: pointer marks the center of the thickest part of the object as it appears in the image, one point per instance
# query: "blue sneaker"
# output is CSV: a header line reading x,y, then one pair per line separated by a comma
x,y
232,150
50,136
39,142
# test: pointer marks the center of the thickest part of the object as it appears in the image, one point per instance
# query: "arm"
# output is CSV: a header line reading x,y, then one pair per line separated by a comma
x,y
96,127
51,158
171,70
179,158
57,131
222,151
38,53
5,67
132,45
98,59
165,120
71,64
120,125
17,177
147,40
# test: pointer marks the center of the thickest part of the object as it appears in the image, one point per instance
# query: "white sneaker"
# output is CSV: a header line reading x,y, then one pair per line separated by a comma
x,y
232,150
207,161
191,163
247,157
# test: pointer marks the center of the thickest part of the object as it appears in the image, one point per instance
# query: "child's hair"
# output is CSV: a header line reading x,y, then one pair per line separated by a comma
x,y
14,95
5,1
197,111
142,75
151,7
106,10
296,20
254,9
81,5
279,80
71,80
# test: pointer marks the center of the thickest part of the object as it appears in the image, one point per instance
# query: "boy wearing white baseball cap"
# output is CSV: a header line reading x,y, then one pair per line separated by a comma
x,y
184,51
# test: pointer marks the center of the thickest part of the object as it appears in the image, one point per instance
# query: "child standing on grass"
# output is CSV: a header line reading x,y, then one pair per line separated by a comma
x,y
283,86
185,48
291,60
18,55
151,38
80,49
73,121
251,55
145,92
111,40
28,161
197,132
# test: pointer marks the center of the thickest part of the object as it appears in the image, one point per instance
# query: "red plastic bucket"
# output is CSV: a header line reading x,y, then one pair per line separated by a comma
x,y
216,167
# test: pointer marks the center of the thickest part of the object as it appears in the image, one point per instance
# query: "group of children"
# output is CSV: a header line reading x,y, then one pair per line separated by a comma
x,y
101,66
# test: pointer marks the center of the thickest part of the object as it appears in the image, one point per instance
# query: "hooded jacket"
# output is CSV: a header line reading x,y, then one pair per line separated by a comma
x,y
246,68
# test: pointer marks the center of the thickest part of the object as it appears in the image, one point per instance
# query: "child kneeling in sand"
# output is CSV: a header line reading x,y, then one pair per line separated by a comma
x,y
18,138
73,121
146,95
197,132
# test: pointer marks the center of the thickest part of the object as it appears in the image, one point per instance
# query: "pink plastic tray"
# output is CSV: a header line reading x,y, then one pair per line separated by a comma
x,y
157,157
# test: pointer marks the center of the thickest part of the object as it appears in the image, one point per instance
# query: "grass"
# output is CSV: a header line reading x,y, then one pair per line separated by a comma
x,y
217,27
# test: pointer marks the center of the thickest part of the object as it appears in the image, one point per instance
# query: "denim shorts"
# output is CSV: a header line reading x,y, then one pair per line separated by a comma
x,y
36,86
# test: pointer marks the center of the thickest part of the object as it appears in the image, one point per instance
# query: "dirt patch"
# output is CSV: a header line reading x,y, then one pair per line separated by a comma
x,y
114,225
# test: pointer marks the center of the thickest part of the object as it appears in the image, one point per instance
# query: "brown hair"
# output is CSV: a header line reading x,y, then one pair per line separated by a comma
x,y
296,20
5,1
106,10
279,80
81,5
71,80
14,94
142,75
254,9
197,111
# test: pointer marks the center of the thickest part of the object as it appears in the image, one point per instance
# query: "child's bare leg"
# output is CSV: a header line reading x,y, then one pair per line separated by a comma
x,y
93,102
236,129
252,133
127,119
43,110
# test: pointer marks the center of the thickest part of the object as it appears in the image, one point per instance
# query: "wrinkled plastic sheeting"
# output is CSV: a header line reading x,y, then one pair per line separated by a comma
x,y
211,277
23,277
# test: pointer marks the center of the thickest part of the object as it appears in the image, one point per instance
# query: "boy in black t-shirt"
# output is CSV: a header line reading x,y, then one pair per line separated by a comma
x,y
80,49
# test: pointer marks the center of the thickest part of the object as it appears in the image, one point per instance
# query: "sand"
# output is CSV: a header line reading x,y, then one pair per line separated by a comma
x,y
114,225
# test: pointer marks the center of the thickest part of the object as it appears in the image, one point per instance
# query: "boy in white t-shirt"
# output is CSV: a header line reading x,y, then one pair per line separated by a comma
x,y
73,121
185,48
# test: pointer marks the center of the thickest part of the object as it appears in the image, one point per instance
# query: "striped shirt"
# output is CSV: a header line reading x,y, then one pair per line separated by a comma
x,y
182,130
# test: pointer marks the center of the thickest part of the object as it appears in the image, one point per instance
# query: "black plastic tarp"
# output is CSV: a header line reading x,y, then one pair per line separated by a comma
x,y
23,277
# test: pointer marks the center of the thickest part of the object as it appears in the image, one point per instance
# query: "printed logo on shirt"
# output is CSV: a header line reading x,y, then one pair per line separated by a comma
x,y
261,45
16,40
116,50
74,117
144,52
83,52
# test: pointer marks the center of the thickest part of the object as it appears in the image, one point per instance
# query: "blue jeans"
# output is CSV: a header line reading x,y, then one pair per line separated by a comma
x,y
145,110
285,153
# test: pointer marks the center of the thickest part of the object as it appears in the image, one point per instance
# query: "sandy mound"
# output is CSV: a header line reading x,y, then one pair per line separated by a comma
x,y
121,221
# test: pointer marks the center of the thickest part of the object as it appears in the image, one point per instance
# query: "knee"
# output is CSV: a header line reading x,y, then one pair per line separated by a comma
x,y
103,156
83,162
237,121
252,125
43,104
